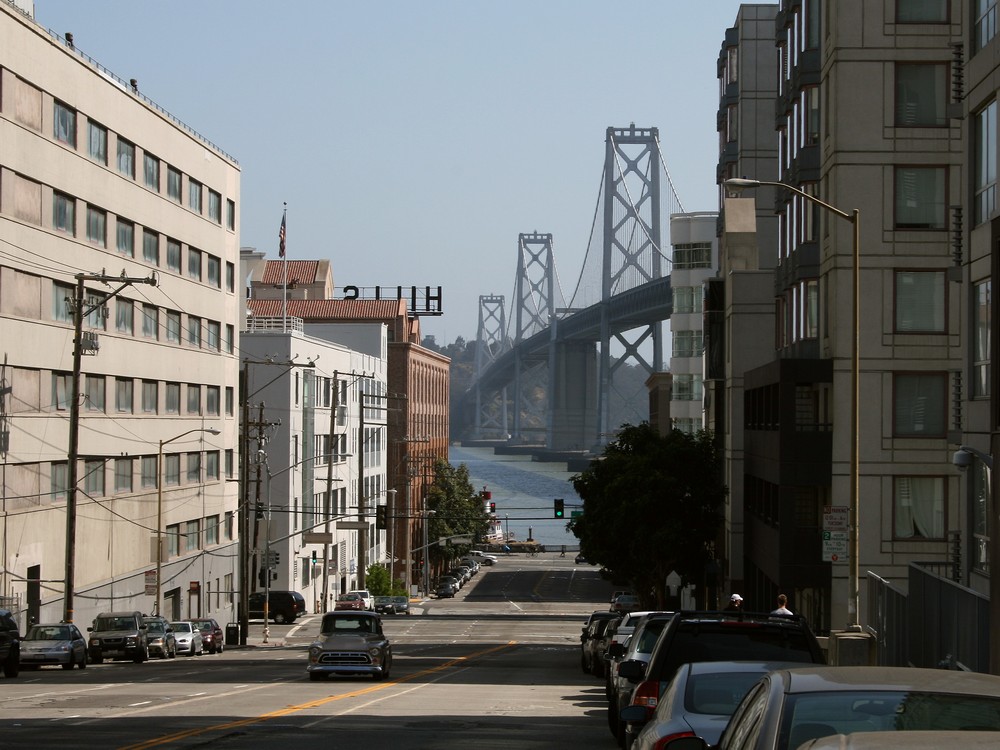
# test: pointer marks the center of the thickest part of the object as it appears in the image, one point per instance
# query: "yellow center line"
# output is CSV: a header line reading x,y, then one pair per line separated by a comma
x,y
288,710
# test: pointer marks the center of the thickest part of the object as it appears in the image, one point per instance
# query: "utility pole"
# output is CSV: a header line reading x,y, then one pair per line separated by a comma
x,y
73,454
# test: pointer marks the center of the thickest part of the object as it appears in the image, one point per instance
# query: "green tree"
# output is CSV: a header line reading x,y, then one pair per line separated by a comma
x,y
458,509
377,580
651,505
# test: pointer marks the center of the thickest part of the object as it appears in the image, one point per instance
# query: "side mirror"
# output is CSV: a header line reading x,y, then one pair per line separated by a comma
x,y
632,670
616,650
90,630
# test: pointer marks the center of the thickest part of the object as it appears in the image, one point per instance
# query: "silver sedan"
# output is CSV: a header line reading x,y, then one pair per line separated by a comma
x,y
188,638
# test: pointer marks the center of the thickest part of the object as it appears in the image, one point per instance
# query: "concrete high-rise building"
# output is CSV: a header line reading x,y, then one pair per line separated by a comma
x,y
99,185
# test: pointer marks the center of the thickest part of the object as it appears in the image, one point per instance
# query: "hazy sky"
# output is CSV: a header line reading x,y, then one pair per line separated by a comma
x,y
414,141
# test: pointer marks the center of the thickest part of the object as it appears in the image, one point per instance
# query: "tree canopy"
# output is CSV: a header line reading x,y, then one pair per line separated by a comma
x,y
651,505
458,509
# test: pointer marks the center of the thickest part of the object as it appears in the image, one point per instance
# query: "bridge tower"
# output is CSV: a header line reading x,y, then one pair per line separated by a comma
x,y
535,292
632,252
491,413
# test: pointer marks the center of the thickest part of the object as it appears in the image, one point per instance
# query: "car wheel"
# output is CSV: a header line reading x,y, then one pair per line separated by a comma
x,y
280,618
12,667
68,665
97,659
83,661
316,676
222,647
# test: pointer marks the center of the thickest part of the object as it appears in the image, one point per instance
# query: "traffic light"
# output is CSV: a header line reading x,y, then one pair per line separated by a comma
x,y
557,509
314,557
380,520
493,507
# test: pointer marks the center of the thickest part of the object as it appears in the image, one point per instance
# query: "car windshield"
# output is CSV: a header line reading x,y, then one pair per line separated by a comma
x,y
155,627
341,624
649,635
204,625
383,599
718,693
729,641
811,715
104,624
181,627
48,633
400,600
348,598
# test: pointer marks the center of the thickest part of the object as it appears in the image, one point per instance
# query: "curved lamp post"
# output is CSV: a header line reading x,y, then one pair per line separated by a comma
x,y
159,505
739,183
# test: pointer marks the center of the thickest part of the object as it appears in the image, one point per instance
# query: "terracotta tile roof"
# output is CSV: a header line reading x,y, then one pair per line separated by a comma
x,y
317,310
302,271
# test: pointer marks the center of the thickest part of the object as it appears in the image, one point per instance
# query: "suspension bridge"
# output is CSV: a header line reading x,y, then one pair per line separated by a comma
x,y
546,373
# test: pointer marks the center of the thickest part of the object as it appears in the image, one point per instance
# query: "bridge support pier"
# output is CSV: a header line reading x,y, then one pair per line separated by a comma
x,y
573,405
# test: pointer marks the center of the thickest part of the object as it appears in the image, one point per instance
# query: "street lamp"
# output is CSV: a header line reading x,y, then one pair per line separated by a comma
x,y
159,506
739,183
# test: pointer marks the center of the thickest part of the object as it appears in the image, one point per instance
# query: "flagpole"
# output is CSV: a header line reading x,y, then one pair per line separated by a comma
x,y
284,269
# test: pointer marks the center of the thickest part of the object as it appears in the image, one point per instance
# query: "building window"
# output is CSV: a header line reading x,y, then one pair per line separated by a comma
x,y
214,206
58,480
810,111
194,331
212,393
125,237
986,22
919,404
230,400
688,299
172,469
97,226
64,124
97,143
920,197
97,305
211,465
687,388
230,338
151,171
693,255
981,508
151,247
194,195
173,540
173,398
919,508
173,255
192,535
123,475
193,399
194,467
173,326
921,94
150,396
123,395
124,316
213,266
985,162
981,322
922,11
147,469
63,213
95,389
230,466
230,277
93,478
212,530
150,322
230,214
920,301
173,184
212,339
687,343
194,263
687,425
62,302
126,158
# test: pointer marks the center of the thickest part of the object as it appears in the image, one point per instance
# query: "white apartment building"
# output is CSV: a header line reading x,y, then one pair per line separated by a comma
x,y
96,179
322,455
695,256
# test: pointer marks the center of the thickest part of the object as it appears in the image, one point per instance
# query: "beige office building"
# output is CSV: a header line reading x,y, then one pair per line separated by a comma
x,y
96,180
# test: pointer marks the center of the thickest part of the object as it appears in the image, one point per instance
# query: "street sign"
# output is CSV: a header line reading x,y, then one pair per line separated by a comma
x,y
317,537
575,513
834,546
150,583
353,525
465,539
836,518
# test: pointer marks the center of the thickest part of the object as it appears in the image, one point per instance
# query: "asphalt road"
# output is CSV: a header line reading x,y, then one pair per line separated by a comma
x,y
498,666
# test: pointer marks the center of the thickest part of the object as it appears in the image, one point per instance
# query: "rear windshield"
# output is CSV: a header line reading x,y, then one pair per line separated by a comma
x,y
649,635
104,624
735,642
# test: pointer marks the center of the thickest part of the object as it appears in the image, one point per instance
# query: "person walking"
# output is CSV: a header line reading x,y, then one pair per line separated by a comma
x,y
782,606
735,604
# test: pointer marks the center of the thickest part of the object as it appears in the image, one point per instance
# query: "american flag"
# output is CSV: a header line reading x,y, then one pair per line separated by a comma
x,y
281,238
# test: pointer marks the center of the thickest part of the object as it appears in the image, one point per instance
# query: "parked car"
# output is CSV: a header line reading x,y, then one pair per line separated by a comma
x,y
592,653
788,708
401,605
471,564
625,603
715,636
617,635
601,614
581,559
118,635
699,700
483,556
282,606
350,643
10,644
352,601
638,648
452,581
188,637
60,643
445,589
462,572
160,637
912,740
365,594
211,634
383,605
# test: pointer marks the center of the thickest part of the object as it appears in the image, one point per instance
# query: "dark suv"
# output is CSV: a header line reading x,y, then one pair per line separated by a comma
x,y
716,636
10,644
118,635
282,606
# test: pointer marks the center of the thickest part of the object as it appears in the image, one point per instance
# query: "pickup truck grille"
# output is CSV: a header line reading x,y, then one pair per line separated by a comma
x,y
344,657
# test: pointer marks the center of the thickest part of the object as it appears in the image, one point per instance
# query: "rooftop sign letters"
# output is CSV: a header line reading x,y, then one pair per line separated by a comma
x,y
424,300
